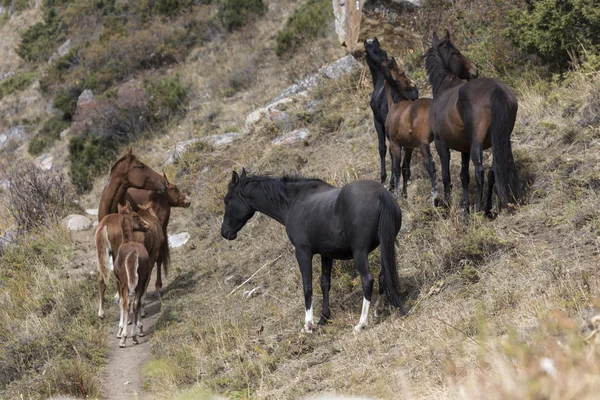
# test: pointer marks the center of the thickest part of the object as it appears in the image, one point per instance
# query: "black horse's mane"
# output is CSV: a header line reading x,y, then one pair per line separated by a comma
x,y
274,187
436,67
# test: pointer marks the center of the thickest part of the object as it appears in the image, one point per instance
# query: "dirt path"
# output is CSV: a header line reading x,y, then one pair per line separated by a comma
x,y
122,377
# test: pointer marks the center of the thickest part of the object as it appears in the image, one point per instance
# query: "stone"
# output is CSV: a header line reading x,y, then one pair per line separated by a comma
x,y
291,137
248,294
92,211
222,139
61,51
85,98
178,240
76,222
65,133
16,134
214,140
44,162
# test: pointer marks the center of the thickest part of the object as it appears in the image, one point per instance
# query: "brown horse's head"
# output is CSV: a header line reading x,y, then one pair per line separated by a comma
x,y
454,61
175,196
130,220
402,86
137,174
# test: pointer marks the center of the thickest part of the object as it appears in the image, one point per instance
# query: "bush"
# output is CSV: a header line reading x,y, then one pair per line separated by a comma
x,y
16,83
36,197
47,135
234,14
558,30
167,97
308,22
90,155
40,40
66,101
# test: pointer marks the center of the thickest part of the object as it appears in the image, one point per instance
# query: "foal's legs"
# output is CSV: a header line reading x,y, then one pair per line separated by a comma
x,y
326,266
124,318
101,289
488,202
444,154
406,169
137,323
464,178
382,150
361,262
304,257
430,166
477,157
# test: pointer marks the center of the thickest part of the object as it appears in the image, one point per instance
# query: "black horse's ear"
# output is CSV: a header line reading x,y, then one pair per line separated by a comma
x,y
243,173
235,178
376,41
392,63
447,35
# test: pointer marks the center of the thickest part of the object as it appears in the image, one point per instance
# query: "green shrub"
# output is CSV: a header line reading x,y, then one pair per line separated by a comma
x,y
234,14
39,41
170,7
557,30
66,101
90,155
47,135
308,22
167,96
16,83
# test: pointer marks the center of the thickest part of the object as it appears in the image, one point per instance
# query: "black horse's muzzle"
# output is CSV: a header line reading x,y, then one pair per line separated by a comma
x,y
228,235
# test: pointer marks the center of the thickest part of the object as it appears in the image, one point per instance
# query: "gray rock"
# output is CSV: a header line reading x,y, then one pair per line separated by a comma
x,y
4,184
15,134
92,211
76,222
222,139
291,137
178,240
65,133
214,140
85,97
61,51
248,294
177,151
44,162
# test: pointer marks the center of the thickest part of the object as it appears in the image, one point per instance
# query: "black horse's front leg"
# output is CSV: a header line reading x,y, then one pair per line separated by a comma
x,y
326,266
444,154
304,257
464,179
382,150
477,157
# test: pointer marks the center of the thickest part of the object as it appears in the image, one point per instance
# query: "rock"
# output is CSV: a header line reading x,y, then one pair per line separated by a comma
x,y
76,222
222,139
340,67
291,137
85,98
95,224
65,133
177,151
4,184
44,162
91,211
61,51
3,10
252,293
16,134
8,238
215,140
178,240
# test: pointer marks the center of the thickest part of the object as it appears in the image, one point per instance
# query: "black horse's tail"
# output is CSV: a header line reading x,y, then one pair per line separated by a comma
x,y
387,230
504,114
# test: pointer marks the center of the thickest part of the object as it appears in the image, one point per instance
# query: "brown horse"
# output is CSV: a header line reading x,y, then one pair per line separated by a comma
x,y
407,126
127,172
172,197
132,270
470,117
109,238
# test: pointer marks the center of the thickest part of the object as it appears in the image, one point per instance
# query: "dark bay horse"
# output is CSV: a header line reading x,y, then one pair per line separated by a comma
x,y
470,117
375,55
407,126
128,171
337,223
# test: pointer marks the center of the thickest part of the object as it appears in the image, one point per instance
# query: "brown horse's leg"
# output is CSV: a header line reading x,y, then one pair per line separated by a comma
x,y
430,166
101,289
488,202
406,170
477,157
396,152
326,266
464,179
444,154
158,283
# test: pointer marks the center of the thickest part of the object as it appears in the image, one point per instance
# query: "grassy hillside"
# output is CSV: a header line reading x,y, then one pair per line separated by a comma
x,y
499,309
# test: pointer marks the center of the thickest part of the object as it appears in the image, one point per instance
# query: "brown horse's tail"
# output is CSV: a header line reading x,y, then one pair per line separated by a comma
x,y
387,230
165,253
103,252
504,114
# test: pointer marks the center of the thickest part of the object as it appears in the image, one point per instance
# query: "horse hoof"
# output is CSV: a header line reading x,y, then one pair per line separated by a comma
x,y
121,344
135,340
324,320
308,328
359,328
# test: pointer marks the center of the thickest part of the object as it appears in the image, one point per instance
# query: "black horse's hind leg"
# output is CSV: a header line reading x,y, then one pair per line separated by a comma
x,y
444,154
464,178
406,170
430,166
488,202
477,157
361,262
382,150
304,257
326,266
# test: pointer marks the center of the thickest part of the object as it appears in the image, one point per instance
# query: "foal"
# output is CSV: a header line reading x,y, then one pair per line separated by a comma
x,y
132,270
407,126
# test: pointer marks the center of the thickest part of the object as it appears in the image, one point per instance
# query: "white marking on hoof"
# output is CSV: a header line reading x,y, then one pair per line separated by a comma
x,y
359,328
309,320
364,316
135,340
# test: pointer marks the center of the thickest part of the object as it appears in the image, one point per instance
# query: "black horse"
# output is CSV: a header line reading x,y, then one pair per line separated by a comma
x,y
375,55
337,223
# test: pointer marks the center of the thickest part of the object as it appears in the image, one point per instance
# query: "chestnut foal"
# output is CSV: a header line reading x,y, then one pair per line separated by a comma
x,y
132,270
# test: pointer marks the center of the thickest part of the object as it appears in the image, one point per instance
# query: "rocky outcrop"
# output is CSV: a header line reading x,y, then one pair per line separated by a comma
x,y
61,51
44,162
178,240
214,140
15,135
388,20
296,136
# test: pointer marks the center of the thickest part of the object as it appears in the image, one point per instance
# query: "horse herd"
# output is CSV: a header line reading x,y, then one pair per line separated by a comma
x,y
467,114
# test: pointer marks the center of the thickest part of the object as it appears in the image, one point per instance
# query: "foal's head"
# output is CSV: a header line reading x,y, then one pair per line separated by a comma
x,y
453,60
374,53
130,220
402,86
175,196
137,174
237,210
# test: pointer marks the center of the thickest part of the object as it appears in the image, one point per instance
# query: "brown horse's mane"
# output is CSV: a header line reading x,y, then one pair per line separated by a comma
x,y
436,67
118,161
397,92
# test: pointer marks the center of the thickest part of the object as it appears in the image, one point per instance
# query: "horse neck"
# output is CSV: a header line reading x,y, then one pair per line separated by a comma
x,y
258,200
376,76
449,82
127,229
161,208
113,193
388,93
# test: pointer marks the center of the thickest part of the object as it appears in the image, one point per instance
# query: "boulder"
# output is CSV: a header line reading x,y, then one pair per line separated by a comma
x,y
92,211
214,140
86,97
16,134
291,137
61,51
178,240
44,162
76,222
